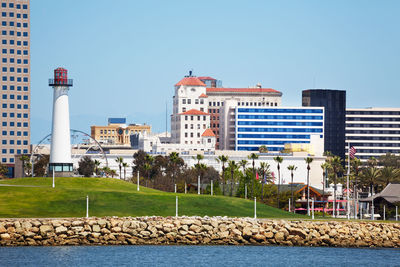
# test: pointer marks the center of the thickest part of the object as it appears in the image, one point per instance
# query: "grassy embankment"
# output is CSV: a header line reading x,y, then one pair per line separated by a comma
x,y
111,197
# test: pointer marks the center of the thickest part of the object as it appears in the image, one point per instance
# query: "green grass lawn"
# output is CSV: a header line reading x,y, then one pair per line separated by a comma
x,y
112,197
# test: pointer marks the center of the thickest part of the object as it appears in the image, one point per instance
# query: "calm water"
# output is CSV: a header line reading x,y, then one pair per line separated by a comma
x,y
196,256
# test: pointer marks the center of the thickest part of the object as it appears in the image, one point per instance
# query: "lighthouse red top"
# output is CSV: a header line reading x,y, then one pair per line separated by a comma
x,y
60,78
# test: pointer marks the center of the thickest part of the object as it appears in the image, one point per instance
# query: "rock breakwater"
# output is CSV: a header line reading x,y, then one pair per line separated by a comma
x,y
196,231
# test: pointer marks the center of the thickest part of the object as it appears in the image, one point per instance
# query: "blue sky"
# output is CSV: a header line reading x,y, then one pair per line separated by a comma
x,y
125,56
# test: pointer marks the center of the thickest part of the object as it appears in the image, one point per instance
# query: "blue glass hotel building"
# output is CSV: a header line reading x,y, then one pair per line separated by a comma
x,y
276,126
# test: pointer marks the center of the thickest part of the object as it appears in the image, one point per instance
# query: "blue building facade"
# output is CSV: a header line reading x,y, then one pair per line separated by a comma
x,y
275,127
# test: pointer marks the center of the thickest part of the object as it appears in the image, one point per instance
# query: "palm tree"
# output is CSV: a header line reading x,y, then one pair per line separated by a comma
x,y
112,173
292,168
96,166
325,166
174,159
243,163
336,165
198,158
278,160
387,175
308,161
253,157
232,166
147,168
223,159
124,164
264,169
120,160
25,159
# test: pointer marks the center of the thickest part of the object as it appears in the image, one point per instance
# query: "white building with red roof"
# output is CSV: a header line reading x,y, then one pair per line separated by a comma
x,y
190,119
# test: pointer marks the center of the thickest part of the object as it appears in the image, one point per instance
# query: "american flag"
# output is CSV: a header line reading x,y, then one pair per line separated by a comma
x,y
352,152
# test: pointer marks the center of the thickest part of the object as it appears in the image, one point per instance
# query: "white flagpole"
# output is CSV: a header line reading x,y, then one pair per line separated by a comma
x,y
348,178
138,188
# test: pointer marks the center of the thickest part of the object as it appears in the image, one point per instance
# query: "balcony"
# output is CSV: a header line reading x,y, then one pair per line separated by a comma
x,y
62,82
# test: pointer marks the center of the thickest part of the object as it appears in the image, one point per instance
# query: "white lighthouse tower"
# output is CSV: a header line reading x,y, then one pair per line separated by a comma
x,y
60,149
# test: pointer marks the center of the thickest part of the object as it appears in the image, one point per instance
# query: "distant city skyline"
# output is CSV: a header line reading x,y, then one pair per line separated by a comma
x,y
125,58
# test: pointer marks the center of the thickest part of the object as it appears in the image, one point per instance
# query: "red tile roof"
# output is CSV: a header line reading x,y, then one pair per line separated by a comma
x,y
243,90
190,81
193,112
207,78
208,133
203,96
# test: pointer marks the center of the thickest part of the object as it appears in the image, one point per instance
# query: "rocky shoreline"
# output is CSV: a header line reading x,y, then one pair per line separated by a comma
x,y
196,231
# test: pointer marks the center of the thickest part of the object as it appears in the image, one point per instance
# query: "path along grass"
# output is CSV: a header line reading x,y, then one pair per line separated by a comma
x,y
112,197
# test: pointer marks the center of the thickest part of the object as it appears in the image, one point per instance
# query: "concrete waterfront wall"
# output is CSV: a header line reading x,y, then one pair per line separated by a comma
x,y
196,231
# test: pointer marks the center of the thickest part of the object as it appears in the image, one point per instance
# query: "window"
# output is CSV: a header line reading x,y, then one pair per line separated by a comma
x,y
191,134
12,142
198,134
186,134
201,101
183,101
196,101
191,118
186,126
191,126
4,142
189,101
186,118
209,140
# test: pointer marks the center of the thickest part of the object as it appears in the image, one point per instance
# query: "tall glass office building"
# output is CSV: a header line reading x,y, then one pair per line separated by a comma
x,y
15,80
275,127
334,102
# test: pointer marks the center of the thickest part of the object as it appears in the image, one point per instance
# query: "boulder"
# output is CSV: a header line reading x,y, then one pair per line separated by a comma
x,y
45,228
61,230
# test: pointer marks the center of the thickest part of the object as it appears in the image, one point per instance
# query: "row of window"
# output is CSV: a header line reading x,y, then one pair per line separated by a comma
x,y
254,148
12,142
192,118
192,126
4,160
377,145
371,119
394,151
371,132
12,79
12,115
280,117
17,6
13,33
213,110
258,104
12,151
281,123
196,101
280,110
12,60
191,135
265,142
184,109
12,133
12,124
281,130
11,15
12,24
12,69
381,138
12,88
350,112
276,136
12,51
372,125
12,42
215,104
19,97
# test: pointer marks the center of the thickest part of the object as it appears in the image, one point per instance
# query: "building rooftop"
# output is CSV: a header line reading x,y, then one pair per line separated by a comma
x,y
243,90
190,81
207,78
193,112
208,133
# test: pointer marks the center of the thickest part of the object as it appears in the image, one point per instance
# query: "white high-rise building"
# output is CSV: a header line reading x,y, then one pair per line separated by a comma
x,y
373,131
190,119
